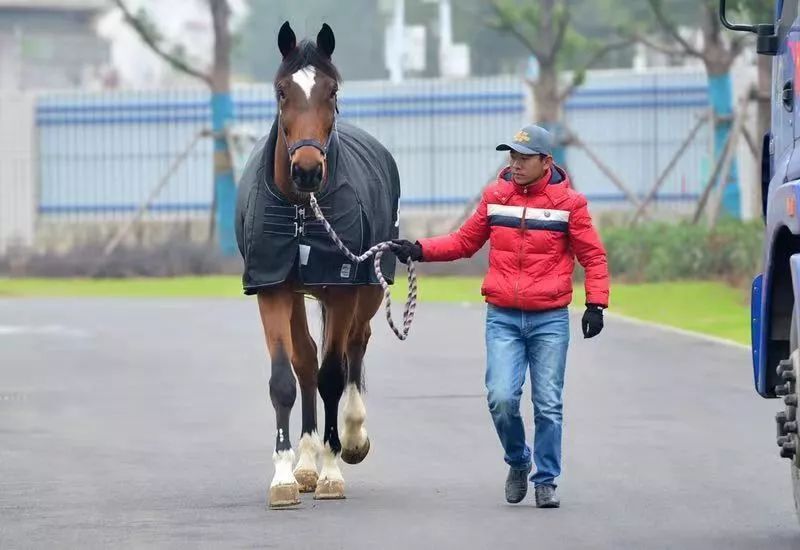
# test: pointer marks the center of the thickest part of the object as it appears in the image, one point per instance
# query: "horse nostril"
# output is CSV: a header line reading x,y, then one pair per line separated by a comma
x,y
307,180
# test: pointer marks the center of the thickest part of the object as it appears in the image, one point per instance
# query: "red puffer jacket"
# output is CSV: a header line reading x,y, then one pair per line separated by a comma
x,y
534,234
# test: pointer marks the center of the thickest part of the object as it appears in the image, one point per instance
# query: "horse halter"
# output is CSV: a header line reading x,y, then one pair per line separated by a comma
x,y
299,144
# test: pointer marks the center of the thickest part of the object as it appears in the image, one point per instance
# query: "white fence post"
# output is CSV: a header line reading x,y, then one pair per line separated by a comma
x,y
17,172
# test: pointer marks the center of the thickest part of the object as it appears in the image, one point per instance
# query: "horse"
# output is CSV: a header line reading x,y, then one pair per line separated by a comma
x,y
288,256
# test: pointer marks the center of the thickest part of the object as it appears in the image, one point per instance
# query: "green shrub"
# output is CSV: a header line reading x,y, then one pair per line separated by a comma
x,y
667,252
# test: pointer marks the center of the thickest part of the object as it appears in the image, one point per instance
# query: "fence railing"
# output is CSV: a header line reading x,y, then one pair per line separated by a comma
x,y
98,156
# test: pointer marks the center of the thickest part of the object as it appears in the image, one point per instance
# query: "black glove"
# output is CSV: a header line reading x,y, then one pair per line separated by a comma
x,y
592,322
406,249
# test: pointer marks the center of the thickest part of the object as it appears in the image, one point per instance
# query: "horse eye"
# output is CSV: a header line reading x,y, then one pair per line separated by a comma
x,y
281,94
333,93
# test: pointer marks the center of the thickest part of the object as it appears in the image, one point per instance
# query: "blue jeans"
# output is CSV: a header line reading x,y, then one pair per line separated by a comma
x,y
516,340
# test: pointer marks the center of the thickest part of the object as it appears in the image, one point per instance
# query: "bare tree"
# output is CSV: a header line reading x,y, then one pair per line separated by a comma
x,y
546,29
218,79
717,52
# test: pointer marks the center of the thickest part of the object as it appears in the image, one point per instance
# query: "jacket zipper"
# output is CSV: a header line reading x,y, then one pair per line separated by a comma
x,y
521,244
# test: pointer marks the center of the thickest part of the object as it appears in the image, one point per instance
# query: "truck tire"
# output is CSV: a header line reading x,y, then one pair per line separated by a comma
x,y
795,464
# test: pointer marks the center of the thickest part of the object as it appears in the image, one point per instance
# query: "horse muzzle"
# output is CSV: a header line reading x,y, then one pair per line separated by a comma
x,y
307,180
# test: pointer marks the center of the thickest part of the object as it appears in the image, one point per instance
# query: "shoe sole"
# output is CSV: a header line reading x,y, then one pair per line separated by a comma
x,y
551,505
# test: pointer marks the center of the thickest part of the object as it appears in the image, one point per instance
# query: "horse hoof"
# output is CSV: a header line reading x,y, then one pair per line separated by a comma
x,y
283,496
329,489
307,479
354,456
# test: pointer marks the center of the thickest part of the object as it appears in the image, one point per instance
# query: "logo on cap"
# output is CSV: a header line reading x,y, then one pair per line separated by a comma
x,y
522,136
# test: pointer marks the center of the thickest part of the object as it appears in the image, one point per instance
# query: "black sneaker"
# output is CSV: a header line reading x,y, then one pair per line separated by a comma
x,y
546,497
517,484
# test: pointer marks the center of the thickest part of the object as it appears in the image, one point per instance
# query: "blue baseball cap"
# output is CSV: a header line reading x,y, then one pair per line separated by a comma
x,y
530,140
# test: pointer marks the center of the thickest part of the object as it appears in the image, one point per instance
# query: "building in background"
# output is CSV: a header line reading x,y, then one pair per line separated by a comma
x,y
46,44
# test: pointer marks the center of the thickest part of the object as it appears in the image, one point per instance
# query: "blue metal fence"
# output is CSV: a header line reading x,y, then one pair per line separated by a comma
x,y
99,155
636,122
102,153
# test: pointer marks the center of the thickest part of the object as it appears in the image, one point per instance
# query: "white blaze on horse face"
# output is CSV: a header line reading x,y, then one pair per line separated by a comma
x,y
305,78
283,468
354,434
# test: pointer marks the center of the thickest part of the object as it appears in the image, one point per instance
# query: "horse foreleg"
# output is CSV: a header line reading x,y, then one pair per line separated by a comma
x,y
355,441
331,385
306,368
275,308
339,310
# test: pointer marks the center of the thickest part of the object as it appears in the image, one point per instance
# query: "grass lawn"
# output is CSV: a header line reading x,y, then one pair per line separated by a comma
x,y
711,308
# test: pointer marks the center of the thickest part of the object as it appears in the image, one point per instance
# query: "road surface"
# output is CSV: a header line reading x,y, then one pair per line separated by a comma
x,y
146,423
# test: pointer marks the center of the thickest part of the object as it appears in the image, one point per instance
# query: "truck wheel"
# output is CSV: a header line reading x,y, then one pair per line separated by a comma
x,y
795,465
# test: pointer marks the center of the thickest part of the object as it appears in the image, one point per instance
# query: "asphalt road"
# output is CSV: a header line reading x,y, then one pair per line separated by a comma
x,y
142,424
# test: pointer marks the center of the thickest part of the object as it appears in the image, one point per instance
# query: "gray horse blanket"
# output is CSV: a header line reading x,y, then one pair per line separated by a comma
x,y
280,241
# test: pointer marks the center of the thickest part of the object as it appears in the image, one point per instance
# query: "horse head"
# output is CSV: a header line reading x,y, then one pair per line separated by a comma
x,y
306,87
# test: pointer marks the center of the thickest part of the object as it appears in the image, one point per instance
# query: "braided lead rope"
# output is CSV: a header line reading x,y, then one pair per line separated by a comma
x,y
377,251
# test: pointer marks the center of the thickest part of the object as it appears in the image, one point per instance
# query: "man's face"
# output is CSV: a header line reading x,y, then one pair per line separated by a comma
x,y
527,169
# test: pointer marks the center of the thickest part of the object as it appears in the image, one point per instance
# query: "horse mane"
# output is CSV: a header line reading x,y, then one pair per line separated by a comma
x,y
305,54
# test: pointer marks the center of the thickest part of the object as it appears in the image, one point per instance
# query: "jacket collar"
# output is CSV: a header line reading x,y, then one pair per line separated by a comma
x,y
552,184
554,176
537,186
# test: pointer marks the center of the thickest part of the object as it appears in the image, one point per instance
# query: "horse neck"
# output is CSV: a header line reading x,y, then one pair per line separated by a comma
x,y
281,175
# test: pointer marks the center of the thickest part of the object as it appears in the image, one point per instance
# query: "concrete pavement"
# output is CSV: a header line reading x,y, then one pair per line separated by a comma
x,y
147,423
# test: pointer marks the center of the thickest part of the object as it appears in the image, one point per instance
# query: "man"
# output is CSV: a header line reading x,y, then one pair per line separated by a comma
x,y
536,225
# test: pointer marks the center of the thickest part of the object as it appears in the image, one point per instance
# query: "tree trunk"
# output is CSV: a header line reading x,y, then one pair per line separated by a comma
x,y
548,108
222,116
718,59
721,96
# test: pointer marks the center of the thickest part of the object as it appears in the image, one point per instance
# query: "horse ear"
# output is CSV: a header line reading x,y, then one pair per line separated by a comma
x,y
325,40
287,41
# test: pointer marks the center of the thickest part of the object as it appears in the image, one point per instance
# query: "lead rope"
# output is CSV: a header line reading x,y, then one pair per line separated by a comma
x,y
377,251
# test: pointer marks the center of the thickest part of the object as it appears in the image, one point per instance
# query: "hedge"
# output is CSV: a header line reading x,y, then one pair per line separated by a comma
x,y
655,252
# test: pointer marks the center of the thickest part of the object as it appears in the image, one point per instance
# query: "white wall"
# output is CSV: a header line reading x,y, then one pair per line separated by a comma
x,y
17,177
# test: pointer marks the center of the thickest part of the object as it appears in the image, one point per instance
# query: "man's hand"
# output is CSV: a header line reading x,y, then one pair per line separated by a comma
x,y
407,249
592,322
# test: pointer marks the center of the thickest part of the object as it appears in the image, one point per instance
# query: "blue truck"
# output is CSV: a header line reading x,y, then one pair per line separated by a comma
x,y
774,319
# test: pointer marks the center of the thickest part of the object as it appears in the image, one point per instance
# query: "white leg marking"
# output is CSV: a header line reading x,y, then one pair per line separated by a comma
x,y
309,447
283,468
330,466
354,434
305,78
